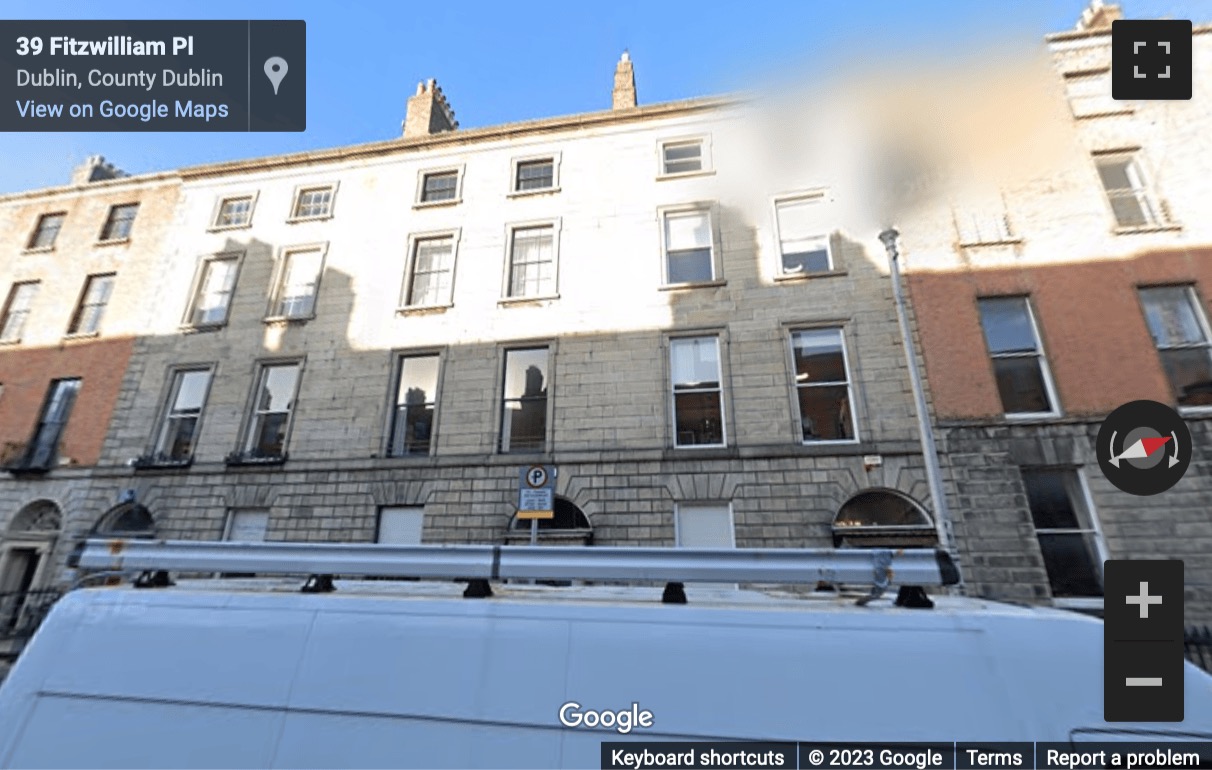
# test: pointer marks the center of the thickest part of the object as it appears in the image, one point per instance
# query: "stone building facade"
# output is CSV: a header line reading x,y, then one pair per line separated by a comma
x,y
538,287
1082,285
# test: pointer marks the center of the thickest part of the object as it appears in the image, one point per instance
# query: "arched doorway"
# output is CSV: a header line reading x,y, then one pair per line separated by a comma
x,y
25,564
883,518
569,526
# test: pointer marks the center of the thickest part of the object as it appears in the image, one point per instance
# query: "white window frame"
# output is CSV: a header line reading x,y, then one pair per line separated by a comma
x,y
218,210
1102,553
457,170
410,268
1201,318
796,386
1040,354
6,312
554,157
82,303
252,413
169,400
408,509
823,198
556,224
721,390
397,373
707,166
1102,74
195,294
109,216
717,267
33,236
983,220
272,314
306,188
230,521
1146,195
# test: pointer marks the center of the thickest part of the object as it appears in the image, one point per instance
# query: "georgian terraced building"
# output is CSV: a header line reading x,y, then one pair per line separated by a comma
x,y
1081,284
368,343
685,308
75,264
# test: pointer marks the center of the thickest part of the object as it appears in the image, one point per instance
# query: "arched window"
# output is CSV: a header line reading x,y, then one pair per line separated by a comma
x,y
40,516
128,520
883,518
569,525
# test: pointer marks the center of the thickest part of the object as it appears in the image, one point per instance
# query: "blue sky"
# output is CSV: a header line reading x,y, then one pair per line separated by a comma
x,y
499,62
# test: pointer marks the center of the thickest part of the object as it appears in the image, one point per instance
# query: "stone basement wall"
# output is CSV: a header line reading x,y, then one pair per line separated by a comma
x,y
777,501
994,527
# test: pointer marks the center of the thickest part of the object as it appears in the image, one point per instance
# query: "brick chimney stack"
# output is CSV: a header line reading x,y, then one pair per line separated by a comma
x,y
1099,16
624,84
95,169
428,113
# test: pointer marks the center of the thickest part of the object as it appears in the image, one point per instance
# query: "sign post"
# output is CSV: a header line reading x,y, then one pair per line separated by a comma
x,y
536,496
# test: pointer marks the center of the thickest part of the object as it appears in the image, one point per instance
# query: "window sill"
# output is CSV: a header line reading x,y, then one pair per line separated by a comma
x,y
81,336
18,469
695,447
113,241
199,328
831,442
407,457
692,285
154,463
297,220
423,309
1107,114
241,459
225,228
437,204
532,193
997,242
686,174
39,250
1166,228
1033,416
795,277
507,301
285,320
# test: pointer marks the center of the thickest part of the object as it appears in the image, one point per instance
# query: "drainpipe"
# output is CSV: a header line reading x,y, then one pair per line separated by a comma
x,y
942,515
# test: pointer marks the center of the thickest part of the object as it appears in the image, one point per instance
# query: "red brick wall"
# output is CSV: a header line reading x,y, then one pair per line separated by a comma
x,y
26,374
1091,323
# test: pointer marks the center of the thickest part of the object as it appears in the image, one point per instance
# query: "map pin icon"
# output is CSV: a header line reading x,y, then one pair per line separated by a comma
x,y
275,70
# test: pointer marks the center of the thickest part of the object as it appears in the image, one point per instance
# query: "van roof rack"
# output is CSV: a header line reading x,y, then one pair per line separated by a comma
x,y
909,568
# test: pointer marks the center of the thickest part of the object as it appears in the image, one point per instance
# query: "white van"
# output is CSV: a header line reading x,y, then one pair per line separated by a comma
x,y
252,673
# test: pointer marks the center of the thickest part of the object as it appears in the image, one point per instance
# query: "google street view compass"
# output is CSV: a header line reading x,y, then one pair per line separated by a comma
x,y
1144,448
